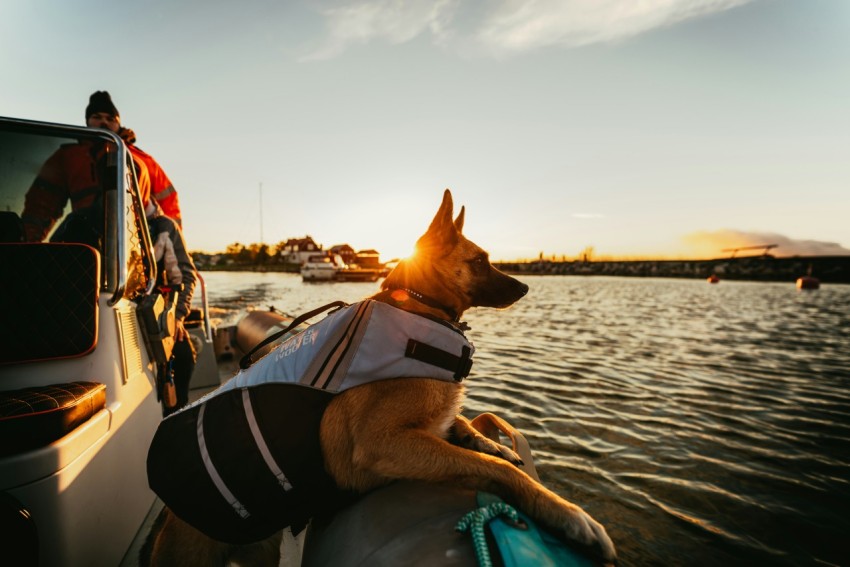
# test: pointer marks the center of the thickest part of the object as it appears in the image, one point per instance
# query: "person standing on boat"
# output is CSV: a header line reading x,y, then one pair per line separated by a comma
x,y
102,113
176,270
75,172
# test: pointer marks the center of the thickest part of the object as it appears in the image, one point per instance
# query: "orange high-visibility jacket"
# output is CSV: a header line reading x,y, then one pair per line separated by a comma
x,y
162,189
74,172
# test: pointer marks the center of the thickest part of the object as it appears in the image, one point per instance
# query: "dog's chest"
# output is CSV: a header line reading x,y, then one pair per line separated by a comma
x,y
444,425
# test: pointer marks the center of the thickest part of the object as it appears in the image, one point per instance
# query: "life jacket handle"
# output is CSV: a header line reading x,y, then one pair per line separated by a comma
x,y
246,361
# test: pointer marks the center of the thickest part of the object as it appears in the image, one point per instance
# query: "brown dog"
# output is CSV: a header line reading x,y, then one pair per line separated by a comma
x,y
399,429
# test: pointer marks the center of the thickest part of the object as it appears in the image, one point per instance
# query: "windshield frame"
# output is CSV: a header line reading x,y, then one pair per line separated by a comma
x,y
117,243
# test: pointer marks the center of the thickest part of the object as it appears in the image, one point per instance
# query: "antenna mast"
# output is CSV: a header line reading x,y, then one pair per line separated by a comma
x,y
262,240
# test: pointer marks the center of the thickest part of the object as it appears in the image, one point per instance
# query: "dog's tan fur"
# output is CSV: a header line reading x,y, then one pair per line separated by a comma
x,y
400,429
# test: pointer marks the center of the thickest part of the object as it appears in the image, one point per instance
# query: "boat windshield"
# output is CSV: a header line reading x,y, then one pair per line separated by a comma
x,y
59,184
44,178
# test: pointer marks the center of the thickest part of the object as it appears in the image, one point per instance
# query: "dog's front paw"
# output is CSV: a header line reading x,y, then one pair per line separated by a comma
x,y
487,446
582,528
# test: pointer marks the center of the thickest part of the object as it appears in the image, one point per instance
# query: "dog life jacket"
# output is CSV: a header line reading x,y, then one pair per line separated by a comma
x,y
245,460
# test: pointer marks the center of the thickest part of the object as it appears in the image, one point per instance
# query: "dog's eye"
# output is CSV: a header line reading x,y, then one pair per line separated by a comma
x,y
479,263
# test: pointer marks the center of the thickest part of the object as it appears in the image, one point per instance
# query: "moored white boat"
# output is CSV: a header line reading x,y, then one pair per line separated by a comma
x,y
322,267
359,275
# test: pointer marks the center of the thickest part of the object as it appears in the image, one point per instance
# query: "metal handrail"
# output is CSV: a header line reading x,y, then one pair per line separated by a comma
x,y
205,306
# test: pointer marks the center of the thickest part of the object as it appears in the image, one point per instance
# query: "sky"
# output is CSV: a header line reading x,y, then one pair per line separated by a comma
x,y
660,128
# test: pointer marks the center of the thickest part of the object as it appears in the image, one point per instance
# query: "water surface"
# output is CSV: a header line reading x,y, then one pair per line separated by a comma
x,y
701,424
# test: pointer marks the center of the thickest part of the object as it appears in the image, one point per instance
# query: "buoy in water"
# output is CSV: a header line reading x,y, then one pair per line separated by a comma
x,y
808,282
713,279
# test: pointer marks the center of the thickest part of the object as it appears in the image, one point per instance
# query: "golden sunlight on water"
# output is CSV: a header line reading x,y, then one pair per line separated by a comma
x,y
701,424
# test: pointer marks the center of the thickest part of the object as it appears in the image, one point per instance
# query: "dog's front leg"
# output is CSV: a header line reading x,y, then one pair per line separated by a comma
x,y
388,430
463,434
415,454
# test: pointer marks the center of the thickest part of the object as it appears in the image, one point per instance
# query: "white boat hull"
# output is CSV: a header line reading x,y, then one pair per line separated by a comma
x,y
319,274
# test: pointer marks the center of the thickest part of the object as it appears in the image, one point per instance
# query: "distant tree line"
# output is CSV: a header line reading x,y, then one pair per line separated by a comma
x,y
241,255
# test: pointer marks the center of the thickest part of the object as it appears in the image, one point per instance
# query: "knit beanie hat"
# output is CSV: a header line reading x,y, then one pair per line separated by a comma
x,y
100,101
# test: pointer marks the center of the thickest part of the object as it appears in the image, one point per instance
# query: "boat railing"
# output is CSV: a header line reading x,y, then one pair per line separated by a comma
x,y
205,306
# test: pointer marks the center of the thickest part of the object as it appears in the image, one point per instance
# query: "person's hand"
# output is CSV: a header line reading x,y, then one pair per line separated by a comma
x,y
127,135
180,332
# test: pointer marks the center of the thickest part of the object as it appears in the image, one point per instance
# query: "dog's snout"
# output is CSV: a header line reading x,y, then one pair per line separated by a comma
x,y
523,289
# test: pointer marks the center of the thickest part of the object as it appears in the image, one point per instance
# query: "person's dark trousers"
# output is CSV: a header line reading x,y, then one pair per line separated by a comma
x,y
183,366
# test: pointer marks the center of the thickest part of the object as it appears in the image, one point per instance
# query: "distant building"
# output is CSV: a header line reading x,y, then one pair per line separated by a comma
x,y
345,251
297,250
368,259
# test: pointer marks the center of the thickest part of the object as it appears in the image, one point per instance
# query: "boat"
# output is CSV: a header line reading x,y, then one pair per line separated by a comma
x,y
808,281
322,268
359,275
80,388
78,378
365,267
713,279
332,268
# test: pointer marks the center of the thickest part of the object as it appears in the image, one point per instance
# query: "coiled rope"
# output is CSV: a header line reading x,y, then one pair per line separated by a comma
x,y
475,521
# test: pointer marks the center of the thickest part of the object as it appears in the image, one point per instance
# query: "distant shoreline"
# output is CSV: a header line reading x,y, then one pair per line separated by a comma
x,y
828,269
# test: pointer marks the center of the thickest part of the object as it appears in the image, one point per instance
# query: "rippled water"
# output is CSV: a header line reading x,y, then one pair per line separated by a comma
x,y
702,424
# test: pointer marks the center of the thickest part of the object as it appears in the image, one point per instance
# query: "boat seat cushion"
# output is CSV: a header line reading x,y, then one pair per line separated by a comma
x,y
34,417
49,301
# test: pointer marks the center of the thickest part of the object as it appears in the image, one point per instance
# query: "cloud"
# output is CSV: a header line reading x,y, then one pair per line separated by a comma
x,y
524,25
711,244
503,27
393,21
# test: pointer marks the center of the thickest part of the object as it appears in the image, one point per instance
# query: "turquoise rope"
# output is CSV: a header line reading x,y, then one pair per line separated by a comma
x,y
474,521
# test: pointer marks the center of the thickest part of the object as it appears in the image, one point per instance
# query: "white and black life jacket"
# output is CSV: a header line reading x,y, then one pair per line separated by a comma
x,y
245,461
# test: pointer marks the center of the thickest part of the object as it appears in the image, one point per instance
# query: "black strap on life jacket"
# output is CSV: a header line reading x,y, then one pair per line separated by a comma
x,y
460,365
246,360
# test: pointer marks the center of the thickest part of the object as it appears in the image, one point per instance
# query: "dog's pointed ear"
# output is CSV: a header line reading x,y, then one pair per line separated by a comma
x,y
459,220
442,231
